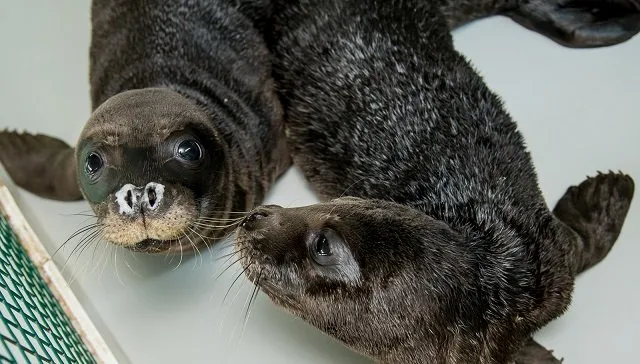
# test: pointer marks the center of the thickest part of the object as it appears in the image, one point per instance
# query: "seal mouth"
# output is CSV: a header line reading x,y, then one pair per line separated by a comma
x,y
152,246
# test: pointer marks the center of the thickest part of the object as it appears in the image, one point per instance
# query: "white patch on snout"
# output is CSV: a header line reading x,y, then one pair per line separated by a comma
x,y
121,199
159,190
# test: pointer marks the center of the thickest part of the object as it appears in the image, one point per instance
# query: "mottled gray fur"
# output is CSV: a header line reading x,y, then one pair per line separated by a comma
x,y
459,259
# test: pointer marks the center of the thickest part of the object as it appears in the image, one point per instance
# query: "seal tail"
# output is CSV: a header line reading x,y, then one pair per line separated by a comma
x,y
40,164
596,210
571,23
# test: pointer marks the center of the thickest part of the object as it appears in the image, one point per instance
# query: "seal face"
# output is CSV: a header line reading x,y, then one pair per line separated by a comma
x,y
294,253
152,171
311,252
353,267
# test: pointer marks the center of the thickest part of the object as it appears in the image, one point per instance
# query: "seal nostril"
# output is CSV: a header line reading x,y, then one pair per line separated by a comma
x,y
252,218
151,192
152,195
129,199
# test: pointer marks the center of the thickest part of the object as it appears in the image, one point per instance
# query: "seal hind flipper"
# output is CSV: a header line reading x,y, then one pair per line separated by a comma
x,y
534,353
596,209
581,23
40,164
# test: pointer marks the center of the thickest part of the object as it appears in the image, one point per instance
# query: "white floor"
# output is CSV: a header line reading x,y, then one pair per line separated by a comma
x,y
576,108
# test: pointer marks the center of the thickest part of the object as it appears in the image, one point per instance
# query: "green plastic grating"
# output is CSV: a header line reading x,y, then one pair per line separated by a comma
x,y
34,328
41,321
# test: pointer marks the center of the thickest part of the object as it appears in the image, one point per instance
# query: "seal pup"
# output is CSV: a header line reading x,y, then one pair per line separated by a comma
x,y
186,125
447,251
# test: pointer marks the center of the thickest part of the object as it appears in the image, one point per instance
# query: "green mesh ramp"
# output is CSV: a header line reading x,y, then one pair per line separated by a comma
x,y
33,326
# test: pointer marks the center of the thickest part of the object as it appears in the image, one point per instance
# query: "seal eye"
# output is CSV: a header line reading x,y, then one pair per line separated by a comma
x,y
189,150
323,248
94,163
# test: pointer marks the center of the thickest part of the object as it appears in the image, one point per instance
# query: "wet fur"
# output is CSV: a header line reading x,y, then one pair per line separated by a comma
x,y
379,105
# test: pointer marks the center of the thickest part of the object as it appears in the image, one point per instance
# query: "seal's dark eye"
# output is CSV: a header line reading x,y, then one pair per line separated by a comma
x,y
94,163
322,246
189,150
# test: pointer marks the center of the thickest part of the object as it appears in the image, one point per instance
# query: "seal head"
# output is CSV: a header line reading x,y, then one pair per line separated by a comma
x,y
151,166
149,162
396,275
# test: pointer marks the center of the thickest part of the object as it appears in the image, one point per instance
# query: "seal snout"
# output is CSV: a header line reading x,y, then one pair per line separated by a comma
x,y
260,217
132,200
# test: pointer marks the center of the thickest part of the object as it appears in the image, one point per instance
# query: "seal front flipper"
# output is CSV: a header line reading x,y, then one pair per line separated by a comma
x,y
534,353
596,210
40,164
581,23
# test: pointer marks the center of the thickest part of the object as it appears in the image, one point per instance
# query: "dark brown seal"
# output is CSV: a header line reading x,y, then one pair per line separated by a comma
x,y
186,124
401,286
448,253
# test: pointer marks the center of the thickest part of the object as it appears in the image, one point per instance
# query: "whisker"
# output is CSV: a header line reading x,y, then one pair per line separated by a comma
x,y
229,255
232,304
234,282
80,244
197,250
115,263
88,212
252,298
88,243
93,254
204,240
98,243
181,255
230,212
204,218
79,214
230,242
218,222
214,226
106,252
126,263
76,233
84,245
94,236
227,268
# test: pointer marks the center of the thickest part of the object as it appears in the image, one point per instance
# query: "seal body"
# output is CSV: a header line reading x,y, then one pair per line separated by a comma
x,y
446,252
186,125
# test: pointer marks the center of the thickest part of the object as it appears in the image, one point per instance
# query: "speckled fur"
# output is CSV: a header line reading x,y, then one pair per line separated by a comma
x,y
461,259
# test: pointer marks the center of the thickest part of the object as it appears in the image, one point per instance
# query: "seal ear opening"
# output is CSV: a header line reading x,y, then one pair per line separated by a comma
x,y
40,164
581,23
